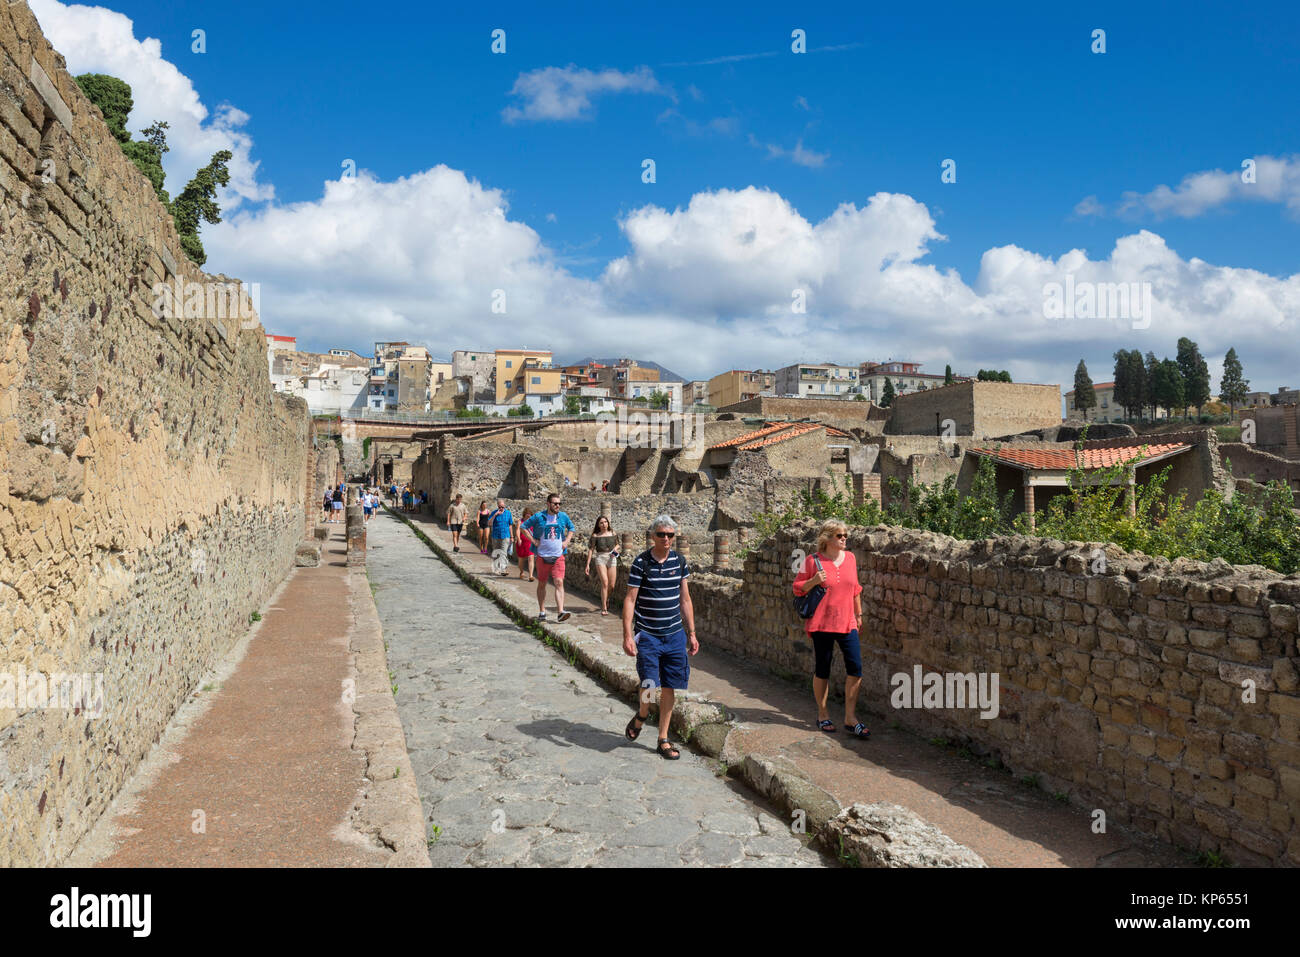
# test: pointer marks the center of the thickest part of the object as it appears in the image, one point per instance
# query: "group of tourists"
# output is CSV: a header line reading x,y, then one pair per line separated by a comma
x,y
410,500
336,498
658,616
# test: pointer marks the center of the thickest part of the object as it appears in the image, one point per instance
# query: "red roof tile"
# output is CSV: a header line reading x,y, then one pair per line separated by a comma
x,y
780,436
1061,459
751,436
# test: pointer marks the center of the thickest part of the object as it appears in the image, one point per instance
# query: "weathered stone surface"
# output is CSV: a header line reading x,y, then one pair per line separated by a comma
x,y
307,556
886,835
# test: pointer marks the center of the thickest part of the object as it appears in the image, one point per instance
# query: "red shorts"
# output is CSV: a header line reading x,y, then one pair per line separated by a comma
x,y
554,569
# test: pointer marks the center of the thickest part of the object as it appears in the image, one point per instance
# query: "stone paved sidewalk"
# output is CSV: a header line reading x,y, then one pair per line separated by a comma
x,y
989,811
521,760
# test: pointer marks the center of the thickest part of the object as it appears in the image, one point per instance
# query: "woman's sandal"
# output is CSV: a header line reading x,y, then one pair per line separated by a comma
x,y
669,752
826,726
632,731
859,730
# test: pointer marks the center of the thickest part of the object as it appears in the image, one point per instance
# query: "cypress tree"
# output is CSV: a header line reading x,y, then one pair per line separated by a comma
x,y
1085,396
1232,387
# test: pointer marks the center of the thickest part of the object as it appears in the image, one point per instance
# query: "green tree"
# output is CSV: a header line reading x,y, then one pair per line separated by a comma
x,y
947,375
197,201
113,97
1085,396
1149,382
859,398
1168,387
1232,387
659,400
147,156
887,394
1137,377
1123,389
1196,374
572,405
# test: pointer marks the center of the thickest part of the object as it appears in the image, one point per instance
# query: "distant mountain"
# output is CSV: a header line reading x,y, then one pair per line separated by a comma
x,y
665,375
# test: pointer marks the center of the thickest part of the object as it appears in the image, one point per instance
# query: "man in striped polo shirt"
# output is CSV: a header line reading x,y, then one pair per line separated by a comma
x,y
657,602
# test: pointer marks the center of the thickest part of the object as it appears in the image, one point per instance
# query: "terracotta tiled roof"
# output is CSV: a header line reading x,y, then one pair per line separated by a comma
x,y
780,436
751,436
1087,458
837,433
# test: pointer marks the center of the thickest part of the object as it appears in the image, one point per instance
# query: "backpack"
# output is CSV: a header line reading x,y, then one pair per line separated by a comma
x,y
806,604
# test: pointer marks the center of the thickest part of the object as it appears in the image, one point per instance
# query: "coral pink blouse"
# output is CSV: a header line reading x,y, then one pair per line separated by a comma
x,y
835,612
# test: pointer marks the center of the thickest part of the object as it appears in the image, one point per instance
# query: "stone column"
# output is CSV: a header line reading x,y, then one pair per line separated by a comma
x,y
356,535
683,545
607,509
721,550
742,534
626,547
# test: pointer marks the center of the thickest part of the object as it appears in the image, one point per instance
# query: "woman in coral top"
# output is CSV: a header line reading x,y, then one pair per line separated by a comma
x,y
836,622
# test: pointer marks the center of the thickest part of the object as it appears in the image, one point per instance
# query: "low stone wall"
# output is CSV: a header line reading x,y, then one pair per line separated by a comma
x,y
1251,463
1123,689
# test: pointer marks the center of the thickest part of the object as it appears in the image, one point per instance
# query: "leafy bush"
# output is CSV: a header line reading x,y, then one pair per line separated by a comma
x,y
1259,527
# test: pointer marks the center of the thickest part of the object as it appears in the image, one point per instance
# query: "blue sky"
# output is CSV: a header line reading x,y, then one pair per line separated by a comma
x,y
1057,148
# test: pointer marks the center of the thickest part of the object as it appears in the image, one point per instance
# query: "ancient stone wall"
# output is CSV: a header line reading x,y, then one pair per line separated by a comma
x,y
151,484
980,409
1163,693
1250,463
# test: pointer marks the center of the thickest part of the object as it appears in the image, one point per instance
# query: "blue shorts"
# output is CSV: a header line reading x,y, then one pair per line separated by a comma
x,y
824,643
663,661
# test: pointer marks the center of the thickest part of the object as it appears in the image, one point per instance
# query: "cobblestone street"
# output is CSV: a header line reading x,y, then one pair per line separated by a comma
x,y
520,758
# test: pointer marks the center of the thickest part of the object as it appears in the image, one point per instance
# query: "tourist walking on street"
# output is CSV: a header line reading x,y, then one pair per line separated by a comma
x,y
336,504
549,533
524,548
484,521
456,513
656,606
327,507
603,544
366,508
837,621
499,538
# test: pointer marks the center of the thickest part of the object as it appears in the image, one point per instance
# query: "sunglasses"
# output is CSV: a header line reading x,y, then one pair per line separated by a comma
x,y
841,536
553,503
665,534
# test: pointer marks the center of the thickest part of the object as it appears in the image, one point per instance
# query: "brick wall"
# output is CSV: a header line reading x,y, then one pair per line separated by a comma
x,y
151,484
1124,689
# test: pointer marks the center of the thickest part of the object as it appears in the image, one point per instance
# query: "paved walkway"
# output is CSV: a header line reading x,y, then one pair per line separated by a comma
x,y
521,760
266,765
1002,820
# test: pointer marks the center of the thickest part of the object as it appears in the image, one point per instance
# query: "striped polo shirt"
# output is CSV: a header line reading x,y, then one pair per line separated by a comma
x,y
658,609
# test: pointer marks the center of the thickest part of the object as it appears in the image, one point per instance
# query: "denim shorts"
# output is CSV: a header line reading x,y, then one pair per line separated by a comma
x,y
663,661
824,643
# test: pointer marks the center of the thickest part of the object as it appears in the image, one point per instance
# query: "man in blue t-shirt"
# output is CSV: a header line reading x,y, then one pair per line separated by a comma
x,y
549,534
657,604
503,524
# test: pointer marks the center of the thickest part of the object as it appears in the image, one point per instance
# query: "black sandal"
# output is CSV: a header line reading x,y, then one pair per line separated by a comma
x,y
631,730
669,752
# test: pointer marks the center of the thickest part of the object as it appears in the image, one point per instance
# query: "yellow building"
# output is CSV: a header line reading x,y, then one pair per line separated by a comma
x,y
737,385
524,372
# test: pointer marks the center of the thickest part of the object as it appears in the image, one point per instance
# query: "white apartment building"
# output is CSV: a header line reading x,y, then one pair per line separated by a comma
x,y
824,380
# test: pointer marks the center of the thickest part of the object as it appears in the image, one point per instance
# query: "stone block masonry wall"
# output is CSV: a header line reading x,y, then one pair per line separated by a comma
x,y
152,486
1124,690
